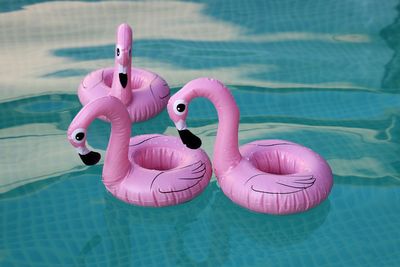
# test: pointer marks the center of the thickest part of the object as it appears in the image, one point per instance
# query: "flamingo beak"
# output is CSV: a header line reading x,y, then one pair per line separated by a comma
x,y
123,75
88,157
187,137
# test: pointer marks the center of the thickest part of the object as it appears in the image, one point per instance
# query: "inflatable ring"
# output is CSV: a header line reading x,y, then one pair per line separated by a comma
x,y
144,93
268,176
146,170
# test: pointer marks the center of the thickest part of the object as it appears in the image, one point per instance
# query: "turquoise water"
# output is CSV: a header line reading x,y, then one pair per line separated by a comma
x,y
321,73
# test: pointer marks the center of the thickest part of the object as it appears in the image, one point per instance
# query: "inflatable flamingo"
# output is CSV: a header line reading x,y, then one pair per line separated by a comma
x,y
144,93
146,170
269,176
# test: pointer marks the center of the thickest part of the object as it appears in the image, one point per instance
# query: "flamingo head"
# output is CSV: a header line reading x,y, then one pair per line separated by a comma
x,y
178,110
77,137
123,53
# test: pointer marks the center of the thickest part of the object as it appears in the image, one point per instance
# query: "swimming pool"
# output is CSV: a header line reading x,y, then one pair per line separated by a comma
x,y
324,74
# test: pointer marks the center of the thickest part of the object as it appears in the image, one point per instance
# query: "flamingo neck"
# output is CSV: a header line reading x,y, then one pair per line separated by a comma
x,y
116,162
123,94
226,149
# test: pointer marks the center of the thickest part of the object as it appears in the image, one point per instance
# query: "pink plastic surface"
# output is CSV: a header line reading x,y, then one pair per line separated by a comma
x,y
145,94
146,170
268,176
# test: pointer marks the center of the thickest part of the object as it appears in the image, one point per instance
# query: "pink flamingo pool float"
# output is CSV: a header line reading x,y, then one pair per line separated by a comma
x,y
146,170
268,176
145,94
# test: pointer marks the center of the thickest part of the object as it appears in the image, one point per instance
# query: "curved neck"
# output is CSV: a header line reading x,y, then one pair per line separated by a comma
x,y
226,149
116,162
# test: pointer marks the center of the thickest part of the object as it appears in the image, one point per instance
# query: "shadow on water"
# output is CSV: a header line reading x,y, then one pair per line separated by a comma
x,y
269,230
142,234
227,224
391,35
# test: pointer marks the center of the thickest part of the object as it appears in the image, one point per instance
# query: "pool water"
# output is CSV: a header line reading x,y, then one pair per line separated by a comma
x,y
325,74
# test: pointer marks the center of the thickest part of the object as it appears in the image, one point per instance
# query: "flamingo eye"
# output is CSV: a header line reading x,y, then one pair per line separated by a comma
x,y
180,107
79,135
118,50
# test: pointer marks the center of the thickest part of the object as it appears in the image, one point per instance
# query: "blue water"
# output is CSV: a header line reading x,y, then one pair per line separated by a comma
x,y
325,74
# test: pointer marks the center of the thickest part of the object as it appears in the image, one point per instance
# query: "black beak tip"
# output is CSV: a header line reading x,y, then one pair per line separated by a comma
x,y
91,158
123,79
189,139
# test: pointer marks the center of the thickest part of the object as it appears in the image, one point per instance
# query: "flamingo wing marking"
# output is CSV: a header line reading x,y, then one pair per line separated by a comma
x,y
180,179
281,184
164,84
277,144
145,140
